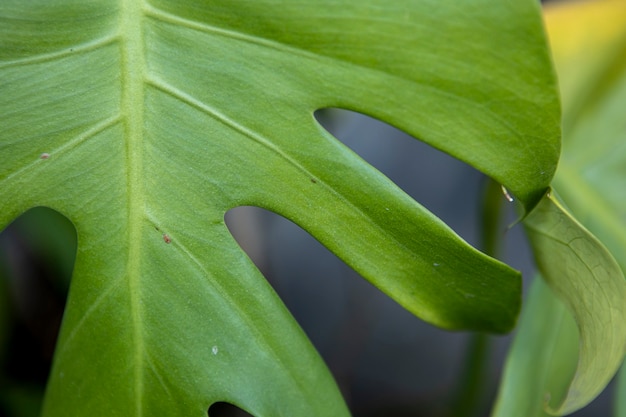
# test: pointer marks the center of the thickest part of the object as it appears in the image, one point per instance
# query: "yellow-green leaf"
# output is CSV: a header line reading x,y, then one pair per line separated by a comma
x,y
584,275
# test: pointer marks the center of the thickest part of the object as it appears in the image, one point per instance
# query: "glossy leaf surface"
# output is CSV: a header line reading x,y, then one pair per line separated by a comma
x,y
144,122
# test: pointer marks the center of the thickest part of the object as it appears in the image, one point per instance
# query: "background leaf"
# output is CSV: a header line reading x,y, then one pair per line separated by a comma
x,y
588,40
586,277
542,360
590,55
144,123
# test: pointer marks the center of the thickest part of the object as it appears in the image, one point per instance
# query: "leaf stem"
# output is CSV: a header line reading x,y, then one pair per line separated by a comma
x,y
471,388
472,382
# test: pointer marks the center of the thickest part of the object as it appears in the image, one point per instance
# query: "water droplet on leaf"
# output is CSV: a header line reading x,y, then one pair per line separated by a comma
x,y
507,195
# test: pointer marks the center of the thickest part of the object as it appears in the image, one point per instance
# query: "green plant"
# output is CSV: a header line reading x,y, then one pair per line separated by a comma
x,y
588,40
144,122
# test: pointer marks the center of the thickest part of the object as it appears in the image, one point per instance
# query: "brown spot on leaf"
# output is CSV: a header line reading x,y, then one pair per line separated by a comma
x,y
44,155
166,238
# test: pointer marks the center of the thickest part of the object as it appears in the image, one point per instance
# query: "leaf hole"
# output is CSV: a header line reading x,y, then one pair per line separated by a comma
x,y
224,409
300,269
446,186
378,353
248,225
37,253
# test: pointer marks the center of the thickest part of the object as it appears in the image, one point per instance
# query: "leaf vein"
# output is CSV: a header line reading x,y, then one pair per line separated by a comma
x,y
67,146
157,373
93,307
240,312
63,53
167,17
222,118
191,101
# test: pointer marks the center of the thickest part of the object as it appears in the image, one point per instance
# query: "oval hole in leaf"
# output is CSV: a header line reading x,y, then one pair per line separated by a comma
x,y
301,270
382,357
37,253
370,344
446,186
247,224
224,409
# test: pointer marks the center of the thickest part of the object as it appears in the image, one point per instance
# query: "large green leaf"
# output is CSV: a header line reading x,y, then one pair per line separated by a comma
x,y
144,122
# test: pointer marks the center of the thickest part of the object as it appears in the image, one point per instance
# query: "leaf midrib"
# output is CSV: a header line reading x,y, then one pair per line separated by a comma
x,y
132,98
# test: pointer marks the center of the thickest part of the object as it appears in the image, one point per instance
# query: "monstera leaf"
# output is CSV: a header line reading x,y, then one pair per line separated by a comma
x,y
144,122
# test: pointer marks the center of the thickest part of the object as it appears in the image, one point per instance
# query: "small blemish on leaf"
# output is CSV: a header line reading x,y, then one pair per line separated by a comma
x,y
313,180
44,155
215,350
167,238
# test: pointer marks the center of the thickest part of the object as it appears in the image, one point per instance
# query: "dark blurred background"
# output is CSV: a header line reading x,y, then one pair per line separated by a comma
x,y
386,362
